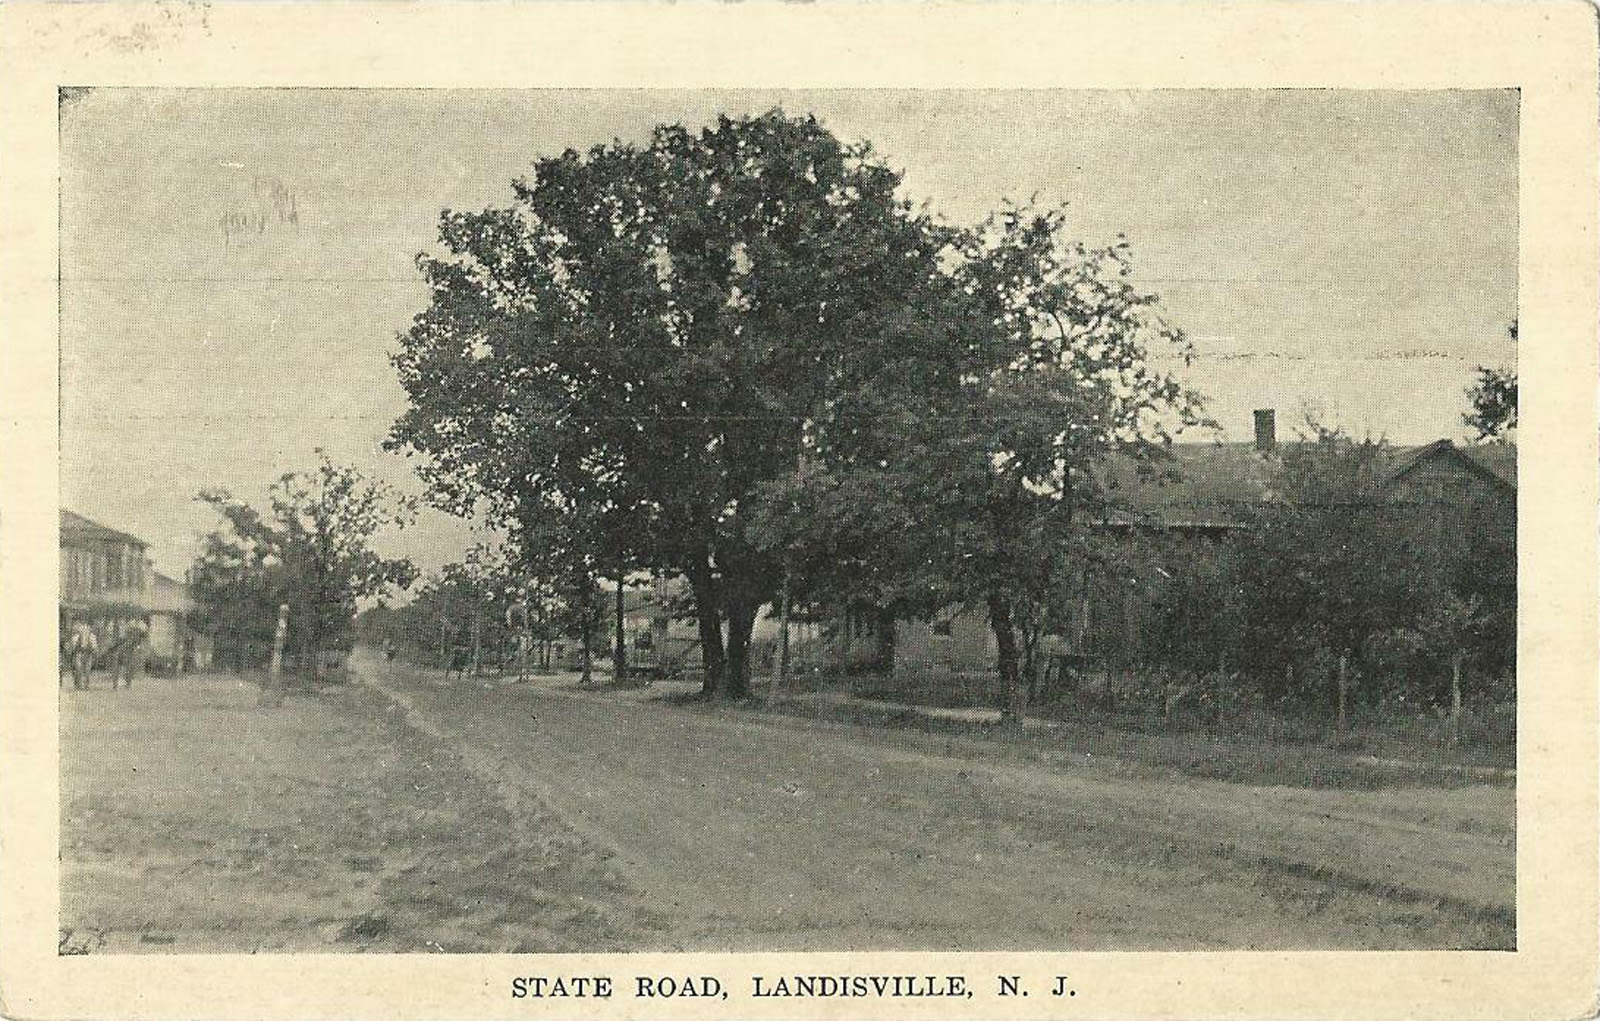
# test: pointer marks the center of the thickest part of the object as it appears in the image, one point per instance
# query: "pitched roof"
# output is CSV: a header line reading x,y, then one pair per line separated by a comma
x,y
79,527
1499,457
1202,485
1209,485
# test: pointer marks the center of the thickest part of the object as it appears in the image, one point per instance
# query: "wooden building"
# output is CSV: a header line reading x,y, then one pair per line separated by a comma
x,y
1463,495
108,581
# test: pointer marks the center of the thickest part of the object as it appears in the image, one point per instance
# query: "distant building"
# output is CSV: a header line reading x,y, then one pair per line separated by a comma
x,y
1462,494
102,569
657,637
174,646
108,580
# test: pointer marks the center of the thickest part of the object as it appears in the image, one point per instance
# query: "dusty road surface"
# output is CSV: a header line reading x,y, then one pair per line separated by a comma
x,y
739,833
193,820
402,814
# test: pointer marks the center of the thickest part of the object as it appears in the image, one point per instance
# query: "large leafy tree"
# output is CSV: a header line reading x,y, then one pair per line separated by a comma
x,y
641,335
1328,564
311,548
983,449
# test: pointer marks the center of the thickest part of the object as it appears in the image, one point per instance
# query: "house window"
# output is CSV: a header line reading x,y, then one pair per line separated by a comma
x,y
114,564
942,628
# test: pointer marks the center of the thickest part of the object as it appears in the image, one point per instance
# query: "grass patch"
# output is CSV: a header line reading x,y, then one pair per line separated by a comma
x,y
1141,745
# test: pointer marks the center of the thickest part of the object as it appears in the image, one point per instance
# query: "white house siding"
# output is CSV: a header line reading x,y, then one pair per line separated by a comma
x,y
962,643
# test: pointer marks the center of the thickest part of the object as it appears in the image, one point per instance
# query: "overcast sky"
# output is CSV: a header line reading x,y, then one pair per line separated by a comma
x,y
236,264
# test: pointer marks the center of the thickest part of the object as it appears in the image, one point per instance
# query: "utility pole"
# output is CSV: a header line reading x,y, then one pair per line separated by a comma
x,y
587,622
524,634
1454,736
1344,687
619,652
780,682
272,690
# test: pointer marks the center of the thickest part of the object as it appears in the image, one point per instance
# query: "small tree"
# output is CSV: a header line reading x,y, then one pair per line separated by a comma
x,y
1494,403
312,550
1198,612
1493,399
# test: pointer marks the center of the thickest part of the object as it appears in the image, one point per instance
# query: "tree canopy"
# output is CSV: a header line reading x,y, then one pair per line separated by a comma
x,y
983,453
310,549
641,335
1493,400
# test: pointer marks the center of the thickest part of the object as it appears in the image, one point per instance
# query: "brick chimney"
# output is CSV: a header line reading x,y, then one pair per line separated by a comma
x,y
1266,430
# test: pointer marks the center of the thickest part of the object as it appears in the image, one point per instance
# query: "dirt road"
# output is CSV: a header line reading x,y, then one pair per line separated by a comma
x,y
743,834
194,821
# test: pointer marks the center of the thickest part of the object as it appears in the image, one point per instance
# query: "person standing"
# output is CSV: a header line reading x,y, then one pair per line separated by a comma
x,y
130,652
82,645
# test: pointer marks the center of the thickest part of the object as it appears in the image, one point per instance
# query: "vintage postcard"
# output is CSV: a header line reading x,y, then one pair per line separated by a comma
x,y
852,511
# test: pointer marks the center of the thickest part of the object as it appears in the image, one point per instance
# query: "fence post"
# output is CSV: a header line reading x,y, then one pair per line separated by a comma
x,y
1343,688
272,690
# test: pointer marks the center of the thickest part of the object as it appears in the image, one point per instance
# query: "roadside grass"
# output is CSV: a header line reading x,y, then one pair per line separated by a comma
x,y
1255,754
1251,735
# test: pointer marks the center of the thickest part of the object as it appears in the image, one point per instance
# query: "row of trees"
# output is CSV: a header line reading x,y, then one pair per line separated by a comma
x,y
489,610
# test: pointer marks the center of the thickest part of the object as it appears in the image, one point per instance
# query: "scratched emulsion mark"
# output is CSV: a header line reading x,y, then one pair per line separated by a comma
x,y
272,204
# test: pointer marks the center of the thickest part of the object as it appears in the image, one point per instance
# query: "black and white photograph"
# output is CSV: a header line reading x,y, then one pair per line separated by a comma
x,y
565,520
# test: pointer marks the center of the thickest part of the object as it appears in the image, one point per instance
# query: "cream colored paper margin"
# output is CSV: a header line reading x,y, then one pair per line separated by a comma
x,y
1548,50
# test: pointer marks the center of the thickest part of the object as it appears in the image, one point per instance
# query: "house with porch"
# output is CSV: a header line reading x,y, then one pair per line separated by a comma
x,y
109,581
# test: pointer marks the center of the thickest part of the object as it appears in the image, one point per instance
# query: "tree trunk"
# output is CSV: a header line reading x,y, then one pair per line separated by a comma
x,y
741,622
586,664
1455,699
619,651
710,621
477,643
846,623
885,639
1014,704
586,624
